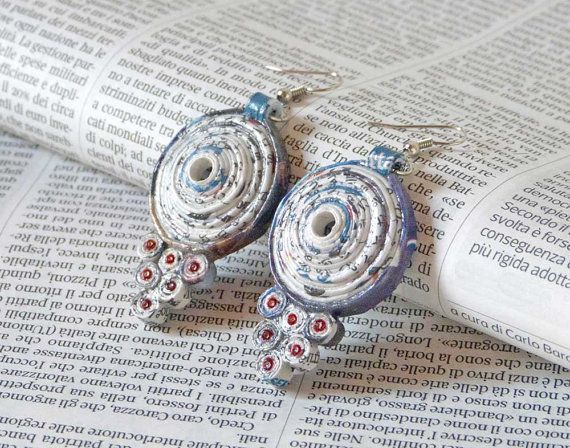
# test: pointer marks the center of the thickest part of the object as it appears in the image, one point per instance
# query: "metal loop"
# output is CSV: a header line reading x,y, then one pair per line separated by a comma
x,y
286,96
413,148
408,169
284,115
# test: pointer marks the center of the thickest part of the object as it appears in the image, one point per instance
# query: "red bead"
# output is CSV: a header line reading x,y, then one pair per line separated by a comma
x,y
268,364
319,325
171,285
296,350
146,274
292,319
267,334
272,302
149,245
194,266
145,303
170,258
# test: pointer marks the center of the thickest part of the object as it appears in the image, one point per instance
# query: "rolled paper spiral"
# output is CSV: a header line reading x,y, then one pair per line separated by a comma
x,y
342,239
214,190
216,186
339,244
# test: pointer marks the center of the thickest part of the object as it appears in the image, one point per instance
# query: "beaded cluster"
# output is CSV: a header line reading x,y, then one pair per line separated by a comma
x,y
289,337
166,276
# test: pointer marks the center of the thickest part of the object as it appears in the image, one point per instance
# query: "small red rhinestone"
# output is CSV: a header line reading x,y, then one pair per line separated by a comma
x,y
272,302
266,334
319,325
292,319
145,303
146,274
296,350
171,285
194,266
268,364
170,258
149,245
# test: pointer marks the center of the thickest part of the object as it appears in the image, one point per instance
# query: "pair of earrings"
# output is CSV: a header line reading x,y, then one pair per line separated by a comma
x,y
338,245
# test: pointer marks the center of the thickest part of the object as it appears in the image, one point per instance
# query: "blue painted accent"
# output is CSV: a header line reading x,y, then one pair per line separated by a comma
x,y
348,190
347,222
307,178
385,160
271,313
259,106
218,179
277,382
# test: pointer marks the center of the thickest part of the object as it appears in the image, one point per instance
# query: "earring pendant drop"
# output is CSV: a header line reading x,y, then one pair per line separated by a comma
x,y
339,244
214,190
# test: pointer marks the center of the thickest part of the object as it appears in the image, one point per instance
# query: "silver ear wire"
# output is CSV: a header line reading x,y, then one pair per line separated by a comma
x,y
286,96
413,148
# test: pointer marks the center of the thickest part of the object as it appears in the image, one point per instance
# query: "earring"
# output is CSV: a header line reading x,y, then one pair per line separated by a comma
x,y
214,190
338,245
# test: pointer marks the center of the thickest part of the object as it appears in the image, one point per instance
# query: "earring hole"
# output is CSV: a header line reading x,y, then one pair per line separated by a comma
x,y
323,224
200,169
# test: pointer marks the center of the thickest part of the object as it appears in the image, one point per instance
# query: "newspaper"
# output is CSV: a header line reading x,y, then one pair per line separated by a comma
x,y
108,83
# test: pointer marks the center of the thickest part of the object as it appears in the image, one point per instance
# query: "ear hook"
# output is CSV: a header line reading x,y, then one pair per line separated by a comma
x,y
426,126
413,148
286,96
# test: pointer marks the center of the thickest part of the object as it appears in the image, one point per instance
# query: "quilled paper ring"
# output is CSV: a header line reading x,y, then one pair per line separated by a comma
x,y
148,275
173,292
214,190
146,306
339,244
342,239
169,259
217,184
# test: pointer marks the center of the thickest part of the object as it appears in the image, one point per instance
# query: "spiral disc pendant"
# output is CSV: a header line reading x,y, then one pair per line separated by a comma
x,y
214,190
339,244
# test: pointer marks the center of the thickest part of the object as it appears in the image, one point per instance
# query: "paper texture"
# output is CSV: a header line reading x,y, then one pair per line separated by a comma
x,y
109,83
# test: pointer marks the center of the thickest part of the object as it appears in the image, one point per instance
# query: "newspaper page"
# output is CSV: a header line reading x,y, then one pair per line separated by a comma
x,y
77,371
110,84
